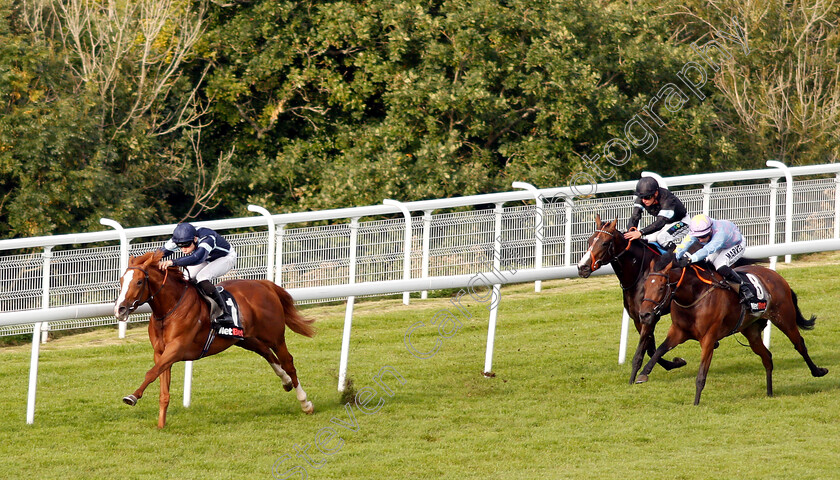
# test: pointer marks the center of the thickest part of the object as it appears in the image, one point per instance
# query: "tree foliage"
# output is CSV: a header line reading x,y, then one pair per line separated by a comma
x,y
160,110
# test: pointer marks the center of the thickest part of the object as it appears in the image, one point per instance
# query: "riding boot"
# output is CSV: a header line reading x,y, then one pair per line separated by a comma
x,y
745,294
224,319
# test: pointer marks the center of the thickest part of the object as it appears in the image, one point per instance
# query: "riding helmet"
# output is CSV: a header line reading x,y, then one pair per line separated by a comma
x,y
646,187
184,233
700,225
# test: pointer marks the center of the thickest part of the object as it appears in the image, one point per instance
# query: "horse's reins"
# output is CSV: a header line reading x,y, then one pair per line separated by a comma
x,y
673,286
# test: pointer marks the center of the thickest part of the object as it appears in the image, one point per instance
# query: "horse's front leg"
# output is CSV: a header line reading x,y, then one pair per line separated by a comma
x,y
644,342
648,341
165,378
172,353
707,349
675,337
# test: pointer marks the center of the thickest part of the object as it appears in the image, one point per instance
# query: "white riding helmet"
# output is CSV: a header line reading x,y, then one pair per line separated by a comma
x,y
700,225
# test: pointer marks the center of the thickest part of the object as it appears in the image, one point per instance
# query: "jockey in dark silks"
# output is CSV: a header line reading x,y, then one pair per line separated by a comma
x,y
671,215
208,256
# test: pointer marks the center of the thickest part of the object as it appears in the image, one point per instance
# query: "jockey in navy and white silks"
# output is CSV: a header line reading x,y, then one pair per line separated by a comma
x,y
722,244
670,214
208,256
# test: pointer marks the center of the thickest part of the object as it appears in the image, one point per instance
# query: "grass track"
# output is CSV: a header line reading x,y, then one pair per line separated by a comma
x,y
559,407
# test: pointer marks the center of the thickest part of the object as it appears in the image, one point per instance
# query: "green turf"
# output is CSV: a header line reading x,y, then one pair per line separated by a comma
x,y
559,406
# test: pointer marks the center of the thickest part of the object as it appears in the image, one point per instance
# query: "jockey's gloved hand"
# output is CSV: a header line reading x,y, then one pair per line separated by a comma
x,y
683,261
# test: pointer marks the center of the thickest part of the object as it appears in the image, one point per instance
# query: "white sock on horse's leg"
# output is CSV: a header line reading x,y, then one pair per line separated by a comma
x,y
305,404
287,380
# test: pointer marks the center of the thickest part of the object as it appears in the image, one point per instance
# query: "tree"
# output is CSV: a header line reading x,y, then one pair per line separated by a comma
x,y
783,99
105,119
346,103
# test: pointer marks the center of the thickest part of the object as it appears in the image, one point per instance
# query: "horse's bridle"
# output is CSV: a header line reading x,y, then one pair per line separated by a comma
x,y
136,304
596,264
666,299
673,286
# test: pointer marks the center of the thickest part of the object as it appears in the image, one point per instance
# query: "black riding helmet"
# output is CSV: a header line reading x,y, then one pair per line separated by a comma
x,y
184,235
646,187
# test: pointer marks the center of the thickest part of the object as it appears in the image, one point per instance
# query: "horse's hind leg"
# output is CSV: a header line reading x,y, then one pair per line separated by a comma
x,y
786,322
284,369
287,363
753,334
264,351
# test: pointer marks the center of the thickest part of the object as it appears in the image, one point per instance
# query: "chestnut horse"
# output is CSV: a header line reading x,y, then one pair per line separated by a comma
x,y
179,328
630,261
705,308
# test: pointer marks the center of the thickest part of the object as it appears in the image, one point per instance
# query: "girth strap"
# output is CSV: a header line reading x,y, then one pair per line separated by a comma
x,y
210,338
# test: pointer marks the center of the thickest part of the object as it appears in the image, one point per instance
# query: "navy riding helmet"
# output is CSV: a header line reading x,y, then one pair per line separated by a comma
x,y
646,187
184,235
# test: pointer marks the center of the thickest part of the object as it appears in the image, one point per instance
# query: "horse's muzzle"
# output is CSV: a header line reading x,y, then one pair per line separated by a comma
x,y
647,318
121,312
584,271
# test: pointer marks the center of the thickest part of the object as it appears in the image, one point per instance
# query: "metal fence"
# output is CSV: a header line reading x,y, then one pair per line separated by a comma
x,y
445,238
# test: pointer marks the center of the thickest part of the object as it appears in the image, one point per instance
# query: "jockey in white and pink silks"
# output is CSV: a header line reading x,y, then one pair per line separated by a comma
x,y
722,244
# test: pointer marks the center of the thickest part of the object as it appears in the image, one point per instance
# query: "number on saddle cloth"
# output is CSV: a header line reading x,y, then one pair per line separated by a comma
x,y
753,283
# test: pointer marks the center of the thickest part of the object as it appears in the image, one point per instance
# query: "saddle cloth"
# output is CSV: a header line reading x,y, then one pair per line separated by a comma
x,y
753,283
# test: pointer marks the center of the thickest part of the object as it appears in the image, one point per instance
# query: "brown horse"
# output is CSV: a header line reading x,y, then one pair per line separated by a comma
x,y
630,261
179,328
705,308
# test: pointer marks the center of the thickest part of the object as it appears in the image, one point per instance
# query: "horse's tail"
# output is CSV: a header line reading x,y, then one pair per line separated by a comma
x,y
800,320
294,320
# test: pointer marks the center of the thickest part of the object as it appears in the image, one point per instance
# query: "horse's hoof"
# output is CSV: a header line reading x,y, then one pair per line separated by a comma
x,y
130,400
288,387
642,379
308,408
819,372
679,362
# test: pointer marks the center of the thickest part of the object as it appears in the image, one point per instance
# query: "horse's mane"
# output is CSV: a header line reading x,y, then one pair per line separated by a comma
x,y
649,246
663,261
149,262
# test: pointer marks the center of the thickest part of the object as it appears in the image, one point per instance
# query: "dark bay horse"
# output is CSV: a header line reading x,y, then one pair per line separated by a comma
x,y
706,309
631,262
179,328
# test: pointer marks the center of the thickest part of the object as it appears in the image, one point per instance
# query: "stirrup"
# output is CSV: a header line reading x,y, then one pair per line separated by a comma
x,y
224,320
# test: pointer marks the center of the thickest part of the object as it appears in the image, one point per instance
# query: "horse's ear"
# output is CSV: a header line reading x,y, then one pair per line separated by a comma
x,y
598,221
612,224
652,263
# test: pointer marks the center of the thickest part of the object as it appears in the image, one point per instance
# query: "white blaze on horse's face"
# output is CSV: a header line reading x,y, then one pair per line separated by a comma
x,y
586,257
126,282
